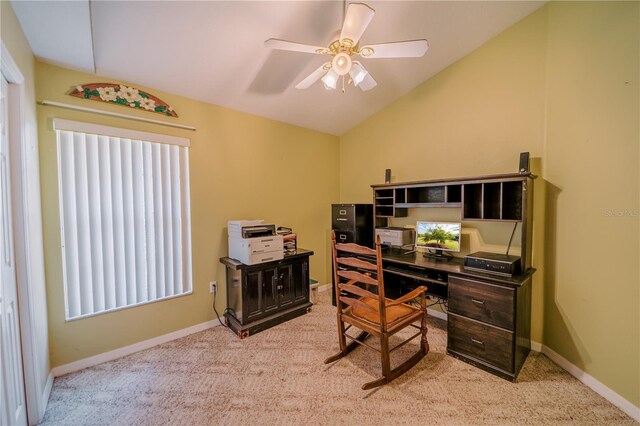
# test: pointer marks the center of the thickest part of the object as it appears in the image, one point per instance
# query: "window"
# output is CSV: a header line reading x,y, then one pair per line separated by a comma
x,y
124,217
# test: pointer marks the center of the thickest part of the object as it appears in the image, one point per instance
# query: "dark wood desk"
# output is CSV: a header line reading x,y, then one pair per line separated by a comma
x,y
489,316
433,273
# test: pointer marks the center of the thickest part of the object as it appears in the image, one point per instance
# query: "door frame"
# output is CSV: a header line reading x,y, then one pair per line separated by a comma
x,y
36,395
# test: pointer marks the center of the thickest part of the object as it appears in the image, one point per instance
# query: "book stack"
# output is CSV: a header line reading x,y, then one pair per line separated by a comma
x,y
289,238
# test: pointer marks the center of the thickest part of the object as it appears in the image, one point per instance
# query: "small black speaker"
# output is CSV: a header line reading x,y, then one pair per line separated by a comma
x,y
387,176
524,163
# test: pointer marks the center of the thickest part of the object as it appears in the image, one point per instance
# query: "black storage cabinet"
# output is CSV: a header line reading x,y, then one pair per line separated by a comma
x,y
352,223
263,295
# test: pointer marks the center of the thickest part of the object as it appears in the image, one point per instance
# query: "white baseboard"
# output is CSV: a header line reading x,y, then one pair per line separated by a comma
x,y
324,287
588,380
595,385
128,350
436,314
536,346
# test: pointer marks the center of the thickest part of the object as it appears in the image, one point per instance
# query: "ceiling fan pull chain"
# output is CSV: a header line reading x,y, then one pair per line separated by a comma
x,y
343,84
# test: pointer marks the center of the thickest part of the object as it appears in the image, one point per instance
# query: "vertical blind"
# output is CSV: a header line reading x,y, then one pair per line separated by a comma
x,y
125,217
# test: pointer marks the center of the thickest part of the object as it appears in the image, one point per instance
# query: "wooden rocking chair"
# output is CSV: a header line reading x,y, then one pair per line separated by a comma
x,y
368,310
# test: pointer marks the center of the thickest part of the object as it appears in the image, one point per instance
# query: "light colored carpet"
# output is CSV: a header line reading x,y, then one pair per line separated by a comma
x,y
278,377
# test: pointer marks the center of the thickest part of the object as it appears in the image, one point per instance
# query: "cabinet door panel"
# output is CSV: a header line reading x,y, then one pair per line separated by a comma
x,y
300,281
285,285
253,295
269,290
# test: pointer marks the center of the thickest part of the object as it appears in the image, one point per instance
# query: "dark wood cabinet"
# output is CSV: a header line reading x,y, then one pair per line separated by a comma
x,y
489,324
261,296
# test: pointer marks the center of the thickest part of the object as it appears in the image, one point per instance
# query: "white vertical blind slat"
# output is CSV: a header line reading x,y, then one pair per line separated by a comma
x,y
137,168
159,220
84,230
168,222
186,215
106,213
149,219
176,203
68,224
125,221
95,222
118,223
129,220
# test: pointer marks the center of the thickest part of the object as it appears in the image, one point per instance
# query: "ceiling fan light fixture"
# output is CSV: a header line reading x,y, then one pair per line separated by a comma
x,y
341,63
330,79
357,73
345,47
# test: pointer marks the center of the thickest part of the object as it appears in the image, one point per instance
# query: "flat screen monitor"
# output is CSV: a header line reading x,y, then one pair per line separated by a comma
x,y
434,238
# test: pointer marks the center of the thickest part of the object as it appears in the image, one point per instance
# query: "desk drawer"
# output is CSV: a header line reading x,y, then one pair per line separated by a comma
x,y
482,301
482,341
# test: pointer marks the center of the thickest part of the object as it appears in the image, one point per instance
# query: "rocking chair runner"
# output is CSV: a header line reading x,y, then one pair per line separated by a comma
x,y
367,309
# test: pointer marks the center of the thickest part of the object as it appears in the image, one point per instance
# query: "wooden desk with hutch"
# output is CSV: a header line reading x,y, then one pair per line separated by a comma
x,y
489,315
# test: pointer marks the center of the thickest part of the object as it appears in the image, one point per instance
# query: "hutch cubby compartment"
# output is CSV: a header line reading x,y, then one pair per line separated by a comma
x,y
386,204
512,200
493,201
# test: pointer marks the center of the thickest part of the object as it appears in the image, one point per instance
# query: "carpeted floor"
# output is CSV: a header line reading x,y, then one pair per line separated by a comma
x,y
278,377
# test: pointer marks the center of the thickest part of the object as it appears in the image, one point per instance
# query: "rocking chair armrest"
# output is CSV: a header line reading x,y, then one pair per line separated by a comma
x,y
412,295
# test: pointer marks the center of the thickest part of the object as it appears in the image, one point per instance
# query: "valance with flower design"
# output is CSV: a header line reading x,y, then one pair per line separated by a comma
x,y
123,95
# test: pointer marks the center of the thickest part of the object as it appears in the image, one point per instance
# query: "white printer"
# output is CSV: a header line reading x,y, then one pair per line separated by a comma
x,y
252,241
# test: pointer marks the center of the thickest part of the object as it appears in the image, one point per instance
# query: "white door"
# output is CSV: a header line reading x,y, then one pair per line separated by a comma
x,y
12,399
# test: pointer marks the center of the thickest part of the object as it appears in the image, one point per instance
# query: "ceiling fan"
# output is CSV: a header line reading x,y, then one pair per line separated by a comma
x,y
345,46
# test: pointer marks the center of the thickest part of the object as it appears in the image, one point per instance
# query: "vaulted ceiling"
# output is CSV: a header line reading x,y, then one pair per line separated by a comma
x,y
214,51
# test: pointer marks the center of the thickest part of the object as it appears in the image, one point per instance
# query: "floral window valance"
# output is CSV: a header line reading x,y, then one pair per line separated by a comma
x,y
123,95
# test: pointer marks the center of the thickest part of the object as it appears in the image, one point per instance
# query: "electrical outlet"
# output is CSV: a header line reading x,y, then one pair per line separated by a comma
x,y
213,287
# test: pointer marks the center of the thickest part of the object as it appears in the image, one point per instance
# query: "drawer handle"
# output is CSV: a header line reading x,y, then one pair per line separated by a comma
x,y
343,212
477,302
477,342
341,218
343,237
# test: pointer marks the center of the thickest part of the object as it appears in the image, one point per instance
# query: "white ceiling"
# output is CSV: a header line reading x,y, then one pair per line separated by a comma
x,y
213,51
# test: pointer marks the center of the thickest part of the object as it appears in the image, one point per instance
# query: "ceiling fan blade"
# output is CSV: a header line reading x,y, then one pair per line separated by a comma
x,y
274,43
367,83
397,49
356,21
314,76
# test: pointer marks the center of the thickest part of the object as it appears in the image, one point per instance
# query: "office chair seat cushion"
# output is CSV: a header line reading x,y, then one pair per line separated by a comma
x,y
393,313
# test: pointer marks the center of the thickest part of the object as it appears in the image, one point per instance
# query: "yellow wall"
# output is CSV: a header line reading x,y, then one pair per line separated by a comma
x,y
242,167
563,85
592,297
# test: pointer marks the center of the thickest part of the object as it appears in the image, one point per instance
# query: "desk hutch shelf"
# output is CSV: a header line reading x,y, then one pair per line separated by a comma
x,y
494,198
